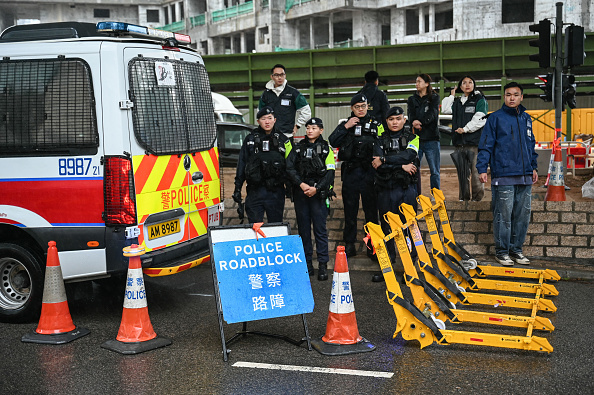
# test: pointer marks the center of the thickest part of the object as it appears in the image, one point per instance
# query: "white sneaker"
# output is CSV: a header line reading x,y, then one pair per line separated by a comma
x,y
504,260
520,258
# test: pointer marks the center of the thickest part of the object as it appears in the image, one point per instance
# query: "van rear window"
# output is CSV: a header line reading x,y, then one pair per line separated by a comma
x,y
173,111
47,108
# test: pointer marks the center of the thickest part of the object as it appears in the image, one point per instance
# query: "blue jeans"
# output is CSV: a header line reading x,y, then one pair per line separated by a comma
x,y
511,215
431,150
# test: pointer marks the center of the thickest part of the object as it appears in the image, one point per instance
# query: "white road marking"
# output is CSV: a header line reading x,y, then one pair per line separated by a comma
x,y
200,295
313,369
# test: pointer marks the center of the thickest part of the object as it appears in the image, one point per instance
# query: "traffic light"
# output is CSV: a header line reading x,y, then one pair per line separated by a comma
x,y
546,86
568,88
543,43
574,46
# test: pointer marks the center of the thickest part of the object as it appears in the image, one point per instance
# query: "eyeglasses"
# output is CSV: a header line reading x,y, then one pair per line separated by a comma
x,y
278,75
360,106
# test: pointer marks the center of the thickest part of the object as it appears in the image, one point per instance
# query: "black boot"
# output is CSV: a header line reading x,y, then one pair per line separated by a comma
x,y
350,250
322,274
377,277
310,269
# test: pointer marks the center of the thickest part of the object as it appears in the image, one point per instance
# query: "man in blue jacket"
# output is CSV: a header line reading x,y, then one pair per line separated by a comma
x,y
507,147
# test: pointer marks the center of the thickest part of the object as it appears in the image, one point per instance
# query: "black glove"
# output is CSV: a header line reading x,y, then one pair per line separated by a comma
x,y
241,211
237,196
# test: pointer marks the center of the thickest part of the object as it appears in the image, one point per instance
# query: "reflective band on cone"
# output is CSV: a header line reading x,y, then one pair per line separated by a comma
x,y
342,334
136,333
55,323
556,185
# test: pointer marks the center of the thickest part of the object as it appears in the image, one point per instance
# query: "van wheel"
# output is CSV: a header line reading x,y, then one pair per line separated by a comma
x,y
21,284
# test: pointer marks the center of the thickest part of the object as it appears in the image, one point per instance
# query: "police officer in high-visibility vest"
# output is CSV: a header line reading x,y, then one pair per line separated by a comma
x,y
262,163
396,161
311,167
356,137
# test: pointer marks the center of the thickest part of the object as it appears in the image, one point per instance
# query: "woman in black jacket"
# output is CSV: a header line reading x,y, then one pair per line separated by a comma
x,y
423,115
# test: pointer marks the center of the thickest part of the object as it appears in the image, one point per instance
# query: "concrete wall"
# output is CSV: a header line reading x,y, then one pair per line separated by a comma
x,y
562,231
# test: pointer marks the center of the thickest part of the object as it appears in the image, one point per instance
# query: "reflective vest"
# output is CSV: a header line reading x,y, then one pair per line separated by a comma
x,y
357,148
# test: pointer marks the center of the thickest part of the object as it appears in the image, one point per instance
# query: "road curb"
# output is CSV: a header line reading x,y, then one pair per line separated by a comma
x,y
583,273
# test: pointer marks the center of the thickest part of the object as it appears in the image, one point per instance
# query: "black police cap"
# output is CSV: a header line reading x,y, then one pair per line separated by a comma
x,y
264,111
394,111
315,121
358,98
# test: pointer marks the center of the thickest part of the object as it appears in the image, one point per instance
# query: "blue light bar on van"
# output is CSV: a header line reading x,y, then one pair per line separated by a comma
x,y
128,28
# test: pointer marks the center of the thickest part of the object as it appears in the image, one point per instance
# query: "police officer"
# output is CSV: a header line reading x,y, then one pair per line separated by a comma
x,y
311,167
262,163
356,137
396,161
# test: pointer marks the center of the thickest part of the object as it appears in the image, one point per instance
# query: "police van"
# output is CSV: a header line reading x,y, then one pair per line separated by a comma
x,y
107,139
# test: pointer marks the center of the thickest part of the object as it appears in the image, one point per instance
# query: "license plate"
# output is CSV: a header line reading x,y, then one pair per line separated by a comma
x,y
163,229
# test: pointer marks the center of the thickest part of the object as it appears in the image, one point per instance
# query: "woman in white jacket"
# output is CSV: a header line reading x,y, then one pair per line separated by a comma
x,y
468,118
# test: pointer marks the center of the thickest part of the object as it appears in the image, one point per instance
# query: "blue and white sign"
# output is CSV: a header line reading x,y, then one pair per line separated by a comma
x,y
261,279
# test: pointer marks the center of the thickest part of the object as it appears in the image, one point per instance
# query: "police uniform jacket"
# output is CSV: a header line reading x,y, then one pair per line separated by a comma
x,y
262,159
356,143
396,149
425,110
313,164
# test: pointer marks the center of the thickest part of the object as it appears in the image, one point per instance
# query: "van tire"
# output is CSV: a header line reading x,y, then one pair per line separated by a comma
x,y
21,284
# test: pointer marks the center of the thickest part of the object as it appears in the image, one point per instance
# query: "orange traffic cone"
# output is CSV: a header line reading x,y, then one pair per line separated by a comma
x,y
136,332
55,324
342,334
556,186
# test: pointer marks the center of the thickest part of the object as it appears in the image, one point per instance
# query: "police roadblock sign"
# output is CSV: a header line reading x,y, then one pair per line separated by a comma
x,y
262,278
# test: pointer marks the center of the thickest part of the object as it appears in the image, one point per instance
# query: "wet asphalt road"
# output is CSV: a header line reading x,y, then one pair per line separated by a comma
x,y
182,308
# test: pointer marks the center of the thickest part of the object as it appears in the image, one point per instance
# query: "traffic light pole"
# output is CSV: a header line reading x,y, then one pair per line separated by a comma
x,y
558,97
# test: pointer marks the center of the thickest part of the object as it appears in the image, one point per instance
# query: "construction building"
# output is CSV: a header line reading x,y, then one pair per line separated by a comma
x,y
239,26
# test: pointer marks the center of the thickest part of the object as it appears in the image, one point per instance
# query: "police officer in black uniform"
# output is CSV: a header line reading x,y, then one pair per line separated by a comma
x,y
396,161
262,163
311,167
356,137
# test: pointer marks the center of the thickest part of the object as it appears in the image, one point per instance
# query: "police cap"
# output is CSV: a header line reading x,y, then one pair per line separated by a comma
x,y
265,111
358,98
394,111
315,121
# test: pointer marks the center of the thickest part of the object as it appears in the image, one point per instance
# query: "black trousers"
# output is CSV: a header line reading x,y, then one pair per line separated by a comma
x,y
312,211
358,182
260,200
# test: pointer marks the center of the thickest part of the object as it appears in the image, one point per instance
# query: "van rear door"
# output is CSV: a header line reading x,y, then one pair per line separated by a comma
x,y
173,140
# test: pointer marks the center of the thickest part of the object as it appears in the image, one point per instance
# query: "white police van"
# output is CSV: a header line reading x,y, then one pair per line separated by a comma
x,y
107,139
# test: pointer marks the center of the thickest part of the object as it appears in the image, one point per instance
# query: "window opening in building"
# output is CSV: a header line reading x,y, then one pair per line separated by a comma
x,y
100,13
262,35
152,16
515,11
166,15
173,17
444,20
412,22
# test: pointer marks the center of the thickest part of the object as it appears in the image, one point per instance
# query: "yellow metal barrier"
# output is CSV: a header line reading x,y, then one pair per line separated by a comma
x,y
463,256
452,269
450,288
413,324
